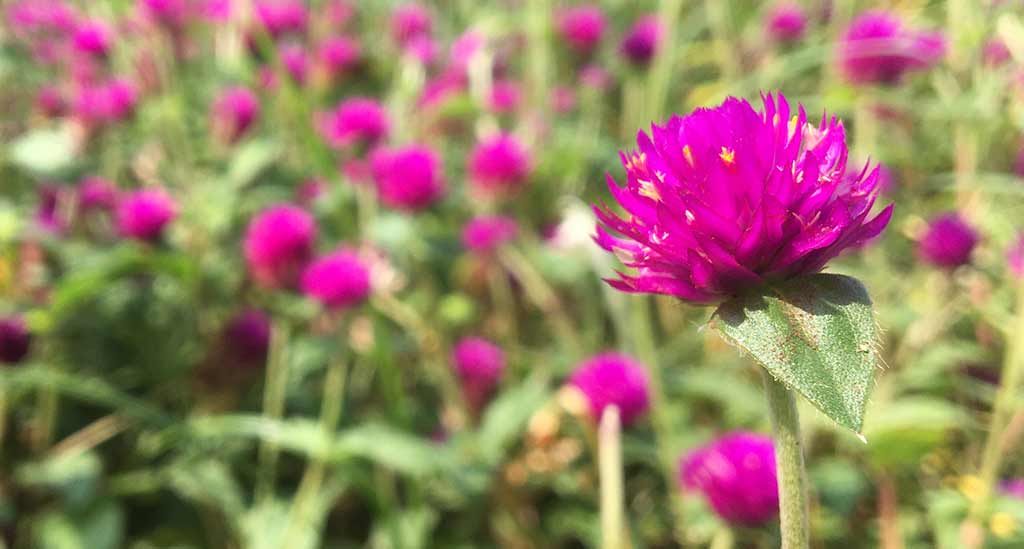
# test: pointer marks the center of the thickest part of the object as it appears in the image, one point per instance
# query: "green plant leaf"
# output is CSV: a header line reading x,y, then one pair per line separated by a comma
x,y
817,334
507,416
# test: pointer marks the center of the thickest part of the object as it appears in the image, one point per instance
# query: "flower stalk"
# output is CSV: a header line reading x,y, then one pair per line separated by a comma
x,y
609,449
273,406
790,460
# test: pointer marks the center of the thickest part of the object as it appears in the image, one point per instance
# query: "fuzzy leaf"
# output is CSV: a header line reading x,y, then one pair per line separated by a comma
x,y
817,334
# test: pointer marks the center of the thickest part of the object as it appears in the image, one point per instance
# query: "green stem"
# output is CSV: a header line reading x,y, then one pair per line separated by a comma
x,y
46,417
789,458
609,448
273,406
719,16
543,296
1002,411
661,67
865,125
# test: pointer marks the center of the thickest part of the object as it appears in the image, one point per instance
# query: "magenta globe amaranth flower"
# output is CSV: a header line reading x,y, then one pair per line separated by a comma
x,y
505,97
479,365
106,102
51,102
499,164
484,234
280,17
948,242
995,53
737,476
278,245
234,112
296,62
408,178
15,339
409,22
338,55
613,379
642,40
338,281
1015,256
169,13
877,48
92,38
1013,487
96,193
581,27
786,22
356,120
728,198
246,339
143,214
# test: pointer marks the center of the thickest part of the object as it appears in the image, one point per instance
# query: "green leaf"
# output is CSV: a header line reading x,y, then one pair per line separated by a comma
x,y
507,416
407,529
251,159
816,334
404,453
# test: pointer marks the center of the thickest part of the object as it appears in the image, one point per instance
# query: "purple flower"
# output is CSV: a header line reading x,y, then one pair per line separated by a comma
x,y
310,191
1013,488
499,164
595,77
410,21
279,244
170,13
234,112
737,476
1015,257
106,102
581,27
246,339
96,193
995,53
465,47
786,22
280,17
948,241
479,365
338,55
48,215
408,178
338,281
358,120
51,102
296,62
15,339
144,213
1018,165
728,197
877,49
92,38
485,234
505,97
641,42
613,379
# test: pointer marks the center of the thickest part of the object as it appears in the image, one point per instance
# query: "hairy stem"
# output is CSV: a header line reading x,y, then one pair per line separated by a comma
x,y
789,458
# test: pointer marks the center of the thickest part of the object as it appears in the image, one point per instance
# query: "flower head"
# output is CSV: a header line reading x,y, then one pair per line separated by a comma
x,y
878,49
96,193
408,178
280,17
737,476
641,42
995,53
234,112
92,38
786,22
106,102
499,164
581,26
338,55
296,61
479,365
728,197
948,242
15,339
51,102
339,280
505,96
1013,488
613,379
1015,257
246,339
355,120
170,13
279,244
48,213
143,214
409,22
484,234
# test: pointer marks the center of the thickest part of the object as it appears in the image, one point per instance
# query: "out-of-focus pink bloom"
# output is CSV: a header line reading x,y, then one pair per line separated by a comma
x,y
995,53
357,170
786,22
422,48
595,77
169,13
1015,257
505,96
479,364
338,55
410,21
234,111
246,340
96,193
106,102
143,214
280,17
465,47
878,49
267,77
613,379
51,102
499,164
408,178
48,214
727,198
356,120
296,61
278,245
1013,488
483,235
442,87
310,191
339,12
948,242
581,27
338,281
563,99
642,40
737,476
15,339
41,19
92,38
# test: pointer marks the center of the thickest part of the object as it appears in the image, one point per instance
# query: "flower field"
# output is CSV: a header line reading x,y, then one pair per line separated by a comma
x,y
519,274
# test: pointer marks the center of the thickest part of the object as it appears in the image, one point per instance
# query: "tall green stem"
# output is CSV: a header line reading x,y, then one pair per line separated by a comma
x,y
719,17
1003,409
273,406
789,458
661,67
609,452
